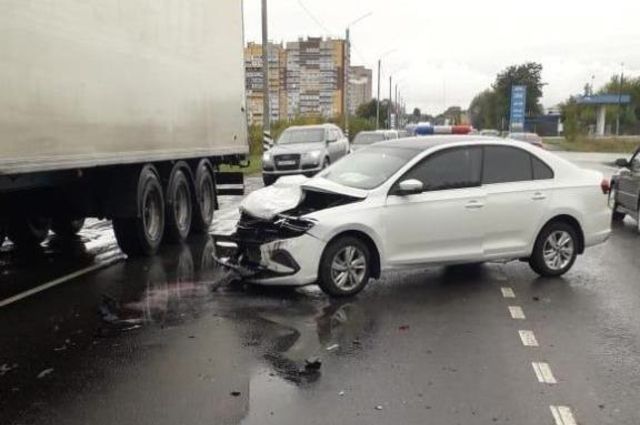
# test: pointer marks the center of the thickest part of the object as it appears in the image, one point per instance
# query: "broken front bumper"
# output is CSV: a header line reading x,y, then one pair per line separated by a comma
x,y
291,261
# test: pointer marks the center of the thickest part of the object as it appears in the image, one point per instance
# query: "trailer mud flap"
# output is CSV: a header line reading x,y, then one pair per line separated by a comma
x,y
230,183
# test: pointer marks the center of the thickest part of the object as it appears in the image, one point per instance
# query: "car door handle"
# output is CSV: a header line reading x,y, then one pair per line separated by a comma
x,y
474,205
539,196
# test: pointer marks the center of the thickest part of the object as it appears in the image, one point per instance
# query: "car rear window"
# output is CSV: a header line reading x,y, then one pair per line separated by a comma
x,y
504,164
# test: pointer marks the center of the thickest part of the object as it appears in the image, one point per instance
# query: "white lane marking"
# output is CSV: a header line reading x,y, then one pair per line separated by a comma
x,y
507,292
59,281
543,373
516,312
528,338
562,415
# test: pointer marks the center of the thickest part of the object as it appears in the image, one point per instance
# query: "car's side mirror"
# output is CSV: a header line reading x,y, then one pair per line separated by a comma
x,y
410,187
622,162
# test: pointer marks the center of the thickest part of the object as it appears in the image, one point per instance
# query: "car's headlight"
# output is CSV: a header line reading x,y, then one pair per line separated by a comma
x,y
313,156
266,157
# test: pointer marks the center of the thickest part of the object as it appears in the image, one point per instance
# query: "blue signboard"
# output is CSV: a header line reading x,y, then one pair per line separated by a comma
x,y
518,104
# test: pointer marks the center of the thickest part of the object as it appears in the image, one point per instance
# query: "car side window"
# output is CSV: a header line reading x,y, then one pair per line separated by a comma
x,y
541,171
505,164
449,169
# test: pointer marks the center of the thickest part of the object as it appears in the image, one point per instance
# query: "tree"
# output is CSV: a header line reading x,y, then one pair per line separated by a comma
x,y
416,115
369,110
483,110
528,74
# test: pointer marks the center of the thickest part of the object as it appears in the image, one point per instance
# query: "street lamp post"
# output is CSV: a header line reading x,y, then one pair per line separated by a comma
x,y
266,114
378,98
346,64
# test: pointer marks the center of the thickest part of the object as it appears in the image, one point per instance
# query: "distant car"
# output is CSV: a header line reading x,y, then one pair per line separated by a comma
x,y
366,138
304,150
532,138
490,132
625,189
418,202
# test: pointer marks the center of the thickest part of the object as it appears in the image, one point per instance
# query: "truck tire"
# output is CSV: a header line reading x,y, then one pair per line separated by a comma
x,y
27,232
142,235
66,227
179,205
205,196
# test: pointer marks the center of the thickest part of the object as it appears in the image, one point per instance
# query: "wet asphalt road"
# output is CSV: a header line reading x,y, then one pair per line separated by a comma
x,y
165,341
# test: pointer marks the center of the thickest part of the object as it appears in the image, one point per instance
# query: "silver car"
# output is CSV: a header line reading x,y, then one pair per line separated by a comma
x,y
366,138
304,150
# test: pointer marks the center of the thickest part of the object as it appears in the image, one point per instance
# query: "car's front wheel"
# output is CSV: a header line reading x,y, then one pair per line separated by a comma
x,y
555,250
345,267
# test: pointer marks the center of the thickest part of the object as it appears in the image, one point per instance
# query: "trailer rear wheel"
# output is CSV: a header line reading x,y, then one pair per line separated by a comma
x,y
205,196
66,227
142,235
178,205
28,231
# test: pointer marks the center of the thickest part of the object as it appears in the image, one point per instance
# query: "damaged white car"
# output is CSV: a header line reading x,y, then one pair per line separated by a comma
x,y
417,202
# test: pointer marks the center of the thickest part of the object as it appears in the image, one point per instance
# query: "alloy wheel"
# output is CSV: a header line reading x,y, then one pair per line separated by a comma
x,y
558,250
348,268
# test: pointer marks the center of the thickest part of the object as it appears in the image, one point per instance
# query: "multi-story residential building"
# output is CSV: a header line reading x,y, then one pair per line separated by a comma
x,y
277,82
306,78
360,83
315,76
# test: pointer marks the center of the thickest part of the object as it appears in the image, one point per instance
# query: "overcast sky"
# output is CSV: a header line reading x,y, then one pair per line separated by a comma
x,y
448,51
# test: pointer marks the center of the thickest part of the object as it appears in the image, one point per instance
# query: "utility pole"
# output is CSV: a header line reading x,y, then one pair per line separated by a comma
x,y
390,108
619,100
266,114
396,107
345,86
378,101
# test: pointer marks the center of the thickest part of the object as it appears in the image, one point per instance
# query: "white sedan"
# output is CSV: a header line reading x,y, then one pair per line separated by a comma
x,y
419,202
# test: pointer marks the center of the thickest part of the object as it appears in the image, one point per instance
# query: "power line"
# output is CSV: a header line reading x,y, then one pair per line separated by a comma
x,y
315,19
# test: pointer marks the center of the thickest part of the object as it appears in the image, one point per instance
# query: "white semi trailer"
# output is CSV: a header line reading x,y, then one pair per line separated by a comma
x,y
118,109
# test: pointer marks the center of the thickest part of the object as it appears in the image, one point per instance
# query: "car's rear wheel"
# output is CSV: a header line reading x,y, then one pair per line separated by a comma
x,y
345,267
615,215
555,250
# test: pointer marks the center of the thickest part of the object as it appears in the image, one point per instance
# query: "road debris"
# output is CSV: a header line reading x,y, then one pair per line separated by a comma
x,y
379,407
333,347
235,393
5,368
45,373
403,328
312,364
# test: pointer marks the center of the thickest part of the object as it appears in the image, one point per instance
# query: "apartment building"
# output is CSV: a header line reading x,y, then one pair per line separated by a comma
x,y
306,78
360,86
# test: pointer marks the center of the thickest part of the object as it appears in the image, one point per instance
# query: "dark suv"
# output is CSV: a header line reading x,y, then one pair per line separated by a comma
x,y
625,189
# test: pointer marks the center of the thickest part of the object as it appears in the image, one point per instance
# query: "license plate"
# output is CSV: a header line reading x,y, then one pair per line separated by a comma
x,y
286,163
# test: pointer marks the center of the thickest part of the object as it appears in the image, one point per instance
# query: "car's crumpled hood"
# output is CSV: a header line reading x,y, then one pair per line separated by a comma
x,y
296,148
289,192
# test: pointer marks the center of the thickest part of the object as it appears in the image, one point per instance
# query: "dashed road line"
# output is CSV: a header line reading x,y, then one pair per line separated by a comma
x,y
516,312
563,415
528,338
507,292
543,373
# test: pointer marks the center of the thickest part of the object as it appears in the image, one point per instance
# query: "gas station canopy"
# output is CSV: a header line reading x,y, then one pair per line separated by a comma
x,y
601,101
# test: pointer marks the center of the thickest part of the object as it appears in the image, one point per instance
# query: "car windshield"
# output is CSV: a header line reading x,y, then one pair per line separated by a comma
x,y
301,135
368,138
369,168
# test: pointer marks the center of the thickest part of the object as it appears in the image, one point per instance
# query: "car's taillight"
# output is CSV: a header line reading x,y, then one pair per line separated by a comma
x,y
605,186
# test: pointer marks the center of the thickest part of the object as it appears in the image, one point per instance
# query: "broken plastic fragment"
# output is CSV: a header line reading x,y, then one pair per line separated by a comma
x,y
313,364
332,347
45,372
